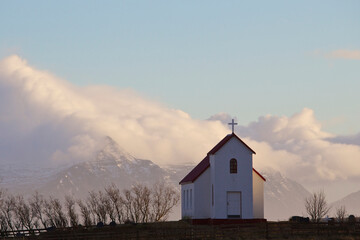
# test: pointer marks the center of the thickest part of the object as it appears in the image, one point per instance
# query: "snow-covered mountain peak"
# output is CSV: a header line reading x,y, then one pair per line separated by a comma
x,y
283,197
111,152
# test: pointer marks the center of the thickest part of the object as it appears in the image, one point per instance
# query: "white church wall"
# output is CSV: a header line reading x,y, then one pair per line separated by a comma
x,y
225,182
258,196
202,195
187,200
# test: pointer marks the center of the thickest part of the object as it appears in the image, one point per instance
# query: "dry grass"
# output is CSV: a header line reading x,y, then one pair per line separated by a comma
x,y
183,230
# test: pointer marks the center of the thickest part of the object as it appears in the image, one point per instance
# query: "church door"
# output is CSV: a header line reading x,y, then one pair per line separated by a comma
x,y
234,204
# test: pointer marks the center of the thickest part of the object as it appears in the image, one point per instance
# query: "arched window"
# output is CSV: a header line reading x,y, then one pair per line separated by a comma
x,y
233,165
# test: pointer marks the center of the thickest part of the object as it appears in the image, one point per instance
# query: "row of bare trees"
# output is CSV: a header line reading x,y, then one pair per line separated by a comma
x,y
317,207
138,204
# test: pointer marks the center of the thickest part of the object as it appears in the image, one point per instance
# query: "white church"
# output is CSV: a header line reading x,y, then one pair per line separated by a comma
x,y
224,185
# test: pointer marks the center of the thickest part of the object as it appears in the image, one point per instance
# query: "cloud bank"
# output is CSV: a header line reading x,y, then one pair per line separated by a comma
x,y
46,120
309,154
339,54
345,54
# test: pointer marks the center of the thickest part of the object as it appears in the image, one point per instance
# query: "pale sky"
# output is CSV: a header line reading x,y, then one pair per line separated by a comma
x,y
150,73
244,58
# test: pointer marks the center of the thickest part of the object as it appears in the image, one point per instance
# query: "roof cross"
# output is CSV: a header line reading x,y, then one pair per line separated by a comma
x,y
232,125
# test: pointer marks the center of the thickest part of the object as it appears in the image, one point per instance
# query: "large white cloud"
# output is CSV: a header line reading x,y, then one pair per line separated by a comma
x,y
44,117
46,120
312,154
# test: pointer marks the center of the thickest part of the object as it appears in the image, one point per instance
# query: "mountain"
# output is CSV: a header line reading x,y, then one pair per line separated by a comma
x,y
23,179
111,165
283,197
351,203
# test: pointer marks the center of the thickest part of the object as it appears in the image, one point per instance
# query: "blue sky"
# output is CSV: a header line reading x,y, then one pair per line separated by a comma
x,y
247,59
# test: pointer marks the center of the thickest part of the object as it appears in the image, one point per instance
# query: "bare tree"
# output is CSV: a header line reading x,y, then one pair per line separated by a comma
x,y
49,214
7,212
71,212
316,206
116,200
60,216
1,197
3,224
85,213
141,202
23,215
96,206
138,204
105,207
92,204
128,202
37,208
109,206
341,213
53,211
164,198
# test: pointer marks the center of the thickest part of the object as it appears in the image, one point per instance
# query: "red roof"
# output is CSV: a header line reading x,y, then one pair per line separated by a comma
x,y
225,140
259,174
205,163
197,171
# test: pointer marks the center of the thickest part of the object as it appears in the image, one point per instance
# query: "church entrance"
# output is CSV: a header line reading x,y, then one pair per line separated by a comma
x,y
234,204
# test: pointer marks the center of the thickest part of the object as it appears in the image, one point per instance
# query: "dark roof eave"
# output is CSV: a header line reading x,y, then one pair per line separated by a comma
x,y
197,171
224,141
259,174
183,183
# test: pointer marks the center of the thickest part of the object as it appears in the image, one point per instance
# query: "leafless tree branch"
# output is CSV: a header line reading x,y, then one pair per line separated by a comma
x,y
341,213
116,200
71,212
316,206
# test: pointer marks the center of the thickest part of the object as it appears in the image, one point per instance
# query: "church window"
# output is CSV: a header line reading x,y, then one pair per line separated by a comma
x,y
212,194
233,165
184,199
190,198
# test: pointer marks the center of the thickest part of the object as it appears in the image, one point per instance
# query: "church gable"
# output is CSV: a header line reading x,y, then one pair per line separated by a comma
x,y
205,163
234,148
225,140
